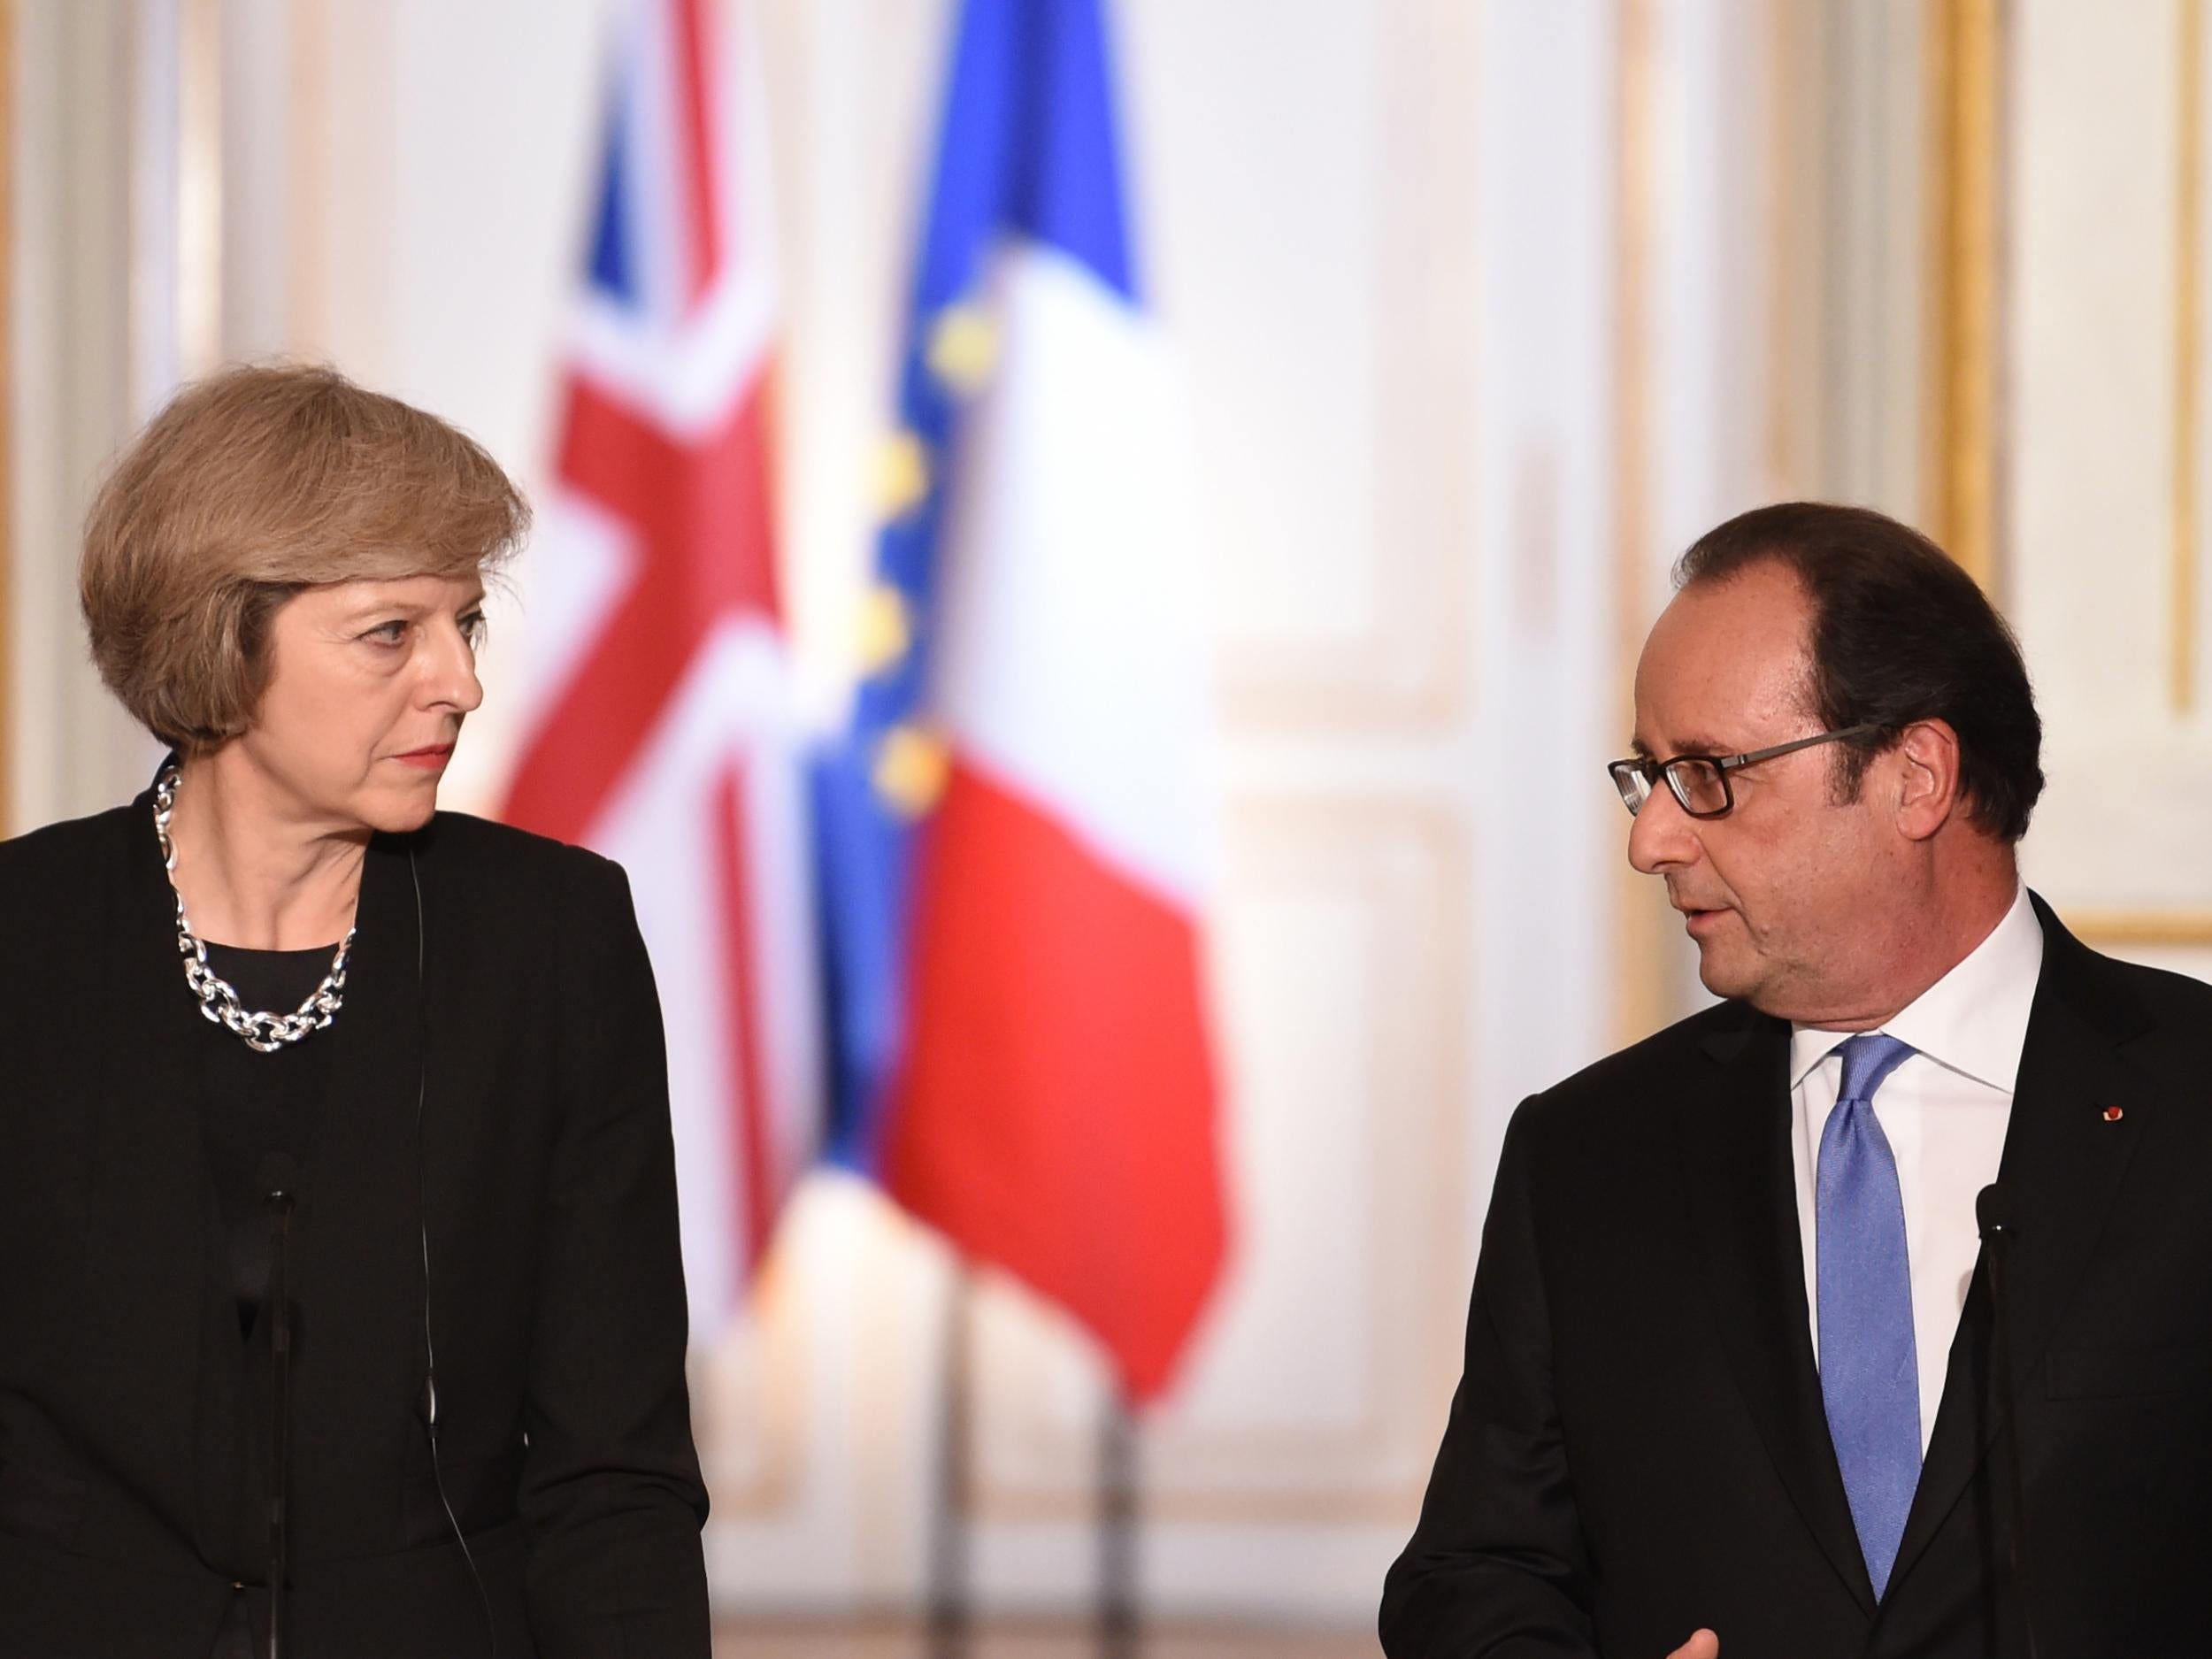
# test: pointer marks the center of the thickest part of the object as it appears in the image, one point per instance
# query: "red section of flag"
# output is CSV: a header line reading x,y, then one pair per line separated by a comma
x,y
696,103
700,513
661,734
1055,1113
753,1174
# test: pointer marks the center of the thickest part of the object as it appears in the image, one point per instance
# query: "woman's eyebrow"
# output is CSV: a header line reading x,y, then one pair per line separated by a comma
x,y
371,605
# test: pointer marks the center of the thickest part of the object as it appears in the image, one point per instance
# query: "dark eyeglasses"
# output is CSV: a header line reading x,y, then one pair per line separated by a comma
x,y
1700,782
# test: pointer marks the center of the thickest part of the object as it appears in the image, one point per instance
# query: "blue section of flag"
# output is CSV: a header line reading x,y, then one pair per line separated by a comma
x,y
613,264
1026,149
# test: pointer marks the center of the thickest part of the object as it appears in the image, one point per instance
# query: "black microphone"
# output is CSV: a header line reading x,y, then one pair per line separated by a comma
x,y
1994,1213
278,1183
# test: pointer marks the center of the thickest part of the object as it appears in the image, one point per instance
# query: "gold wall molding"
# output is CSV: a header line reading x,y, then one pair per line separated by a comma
x,y
8,119
198,247
1641,998
1963,81
2188,354
1789,228
2120,928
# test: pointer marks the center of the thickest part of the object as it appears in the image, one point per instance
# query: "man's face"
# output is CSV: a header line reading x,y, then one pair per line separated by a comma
x,y
1788,896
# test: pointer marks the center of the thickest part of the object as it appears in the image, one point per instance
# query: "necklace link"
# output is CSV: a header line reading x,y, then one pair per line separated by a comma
x,y
264,1033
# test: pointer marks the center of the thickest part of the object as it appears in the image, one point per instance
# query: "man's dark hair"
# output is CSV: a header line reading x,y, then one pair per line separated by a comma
x,y
1899,634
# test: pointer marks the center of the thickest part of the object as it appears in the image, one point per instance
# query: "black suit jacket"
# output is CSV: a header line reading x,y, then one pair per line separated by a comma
x,y
129,1425
1638,1448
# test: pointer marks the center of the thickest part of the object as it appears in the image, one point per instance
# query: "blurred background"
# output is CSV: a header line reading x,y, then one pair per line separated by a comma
x,y
1471,315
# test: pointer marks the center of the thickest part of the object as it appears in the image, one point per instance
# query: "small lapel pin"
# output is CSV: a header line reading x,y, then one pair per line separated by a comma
x,y
2113,1114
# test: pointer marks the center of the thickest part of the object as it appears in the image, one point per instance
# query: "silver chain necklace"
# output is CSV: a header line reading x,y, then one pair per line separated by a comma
x,y
265,1034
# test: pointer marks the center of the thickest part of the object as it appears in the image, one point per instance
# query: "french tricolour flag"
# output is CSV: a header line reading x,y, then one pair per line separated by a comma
x,y
1013,830
659,731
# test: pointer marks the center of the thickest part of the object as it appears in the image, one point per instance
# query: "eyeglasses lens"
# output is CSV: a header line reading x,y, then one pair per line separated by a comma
x,y
1634,787
1700,785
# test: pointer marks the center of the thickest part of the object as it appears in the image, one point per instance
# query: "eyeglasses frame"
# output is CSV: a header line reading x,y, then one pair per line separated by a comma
x,y
1651,770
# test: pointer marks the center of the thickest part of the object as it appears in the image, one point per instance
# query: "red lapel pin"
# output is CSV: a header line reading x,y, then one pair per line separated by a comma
x,y
2113,1114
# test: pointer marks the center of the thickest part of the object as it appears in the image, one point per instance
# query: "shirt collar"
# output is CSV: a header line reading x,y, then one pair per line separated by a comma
x,y
1974,1020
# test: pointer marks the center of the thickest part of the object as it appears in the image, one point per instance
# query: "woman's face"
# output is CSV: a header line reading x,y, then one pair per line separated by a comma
x,y
368,684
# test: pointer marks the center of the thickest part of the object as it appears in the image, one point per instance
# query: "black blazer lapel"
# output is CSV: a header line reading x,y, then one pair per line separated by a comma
x,y
152,1234
1740,1183
2062,1164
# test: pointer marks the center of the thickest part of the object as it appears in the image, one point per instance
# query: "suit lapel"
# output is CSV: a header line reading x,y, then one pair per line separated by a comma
x,y
1737,1171
2062,1164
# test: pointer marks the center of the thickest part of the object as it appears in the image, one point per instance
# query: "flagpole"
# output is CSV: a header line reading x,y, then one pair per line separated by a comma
x,y
1119,1617
951,1615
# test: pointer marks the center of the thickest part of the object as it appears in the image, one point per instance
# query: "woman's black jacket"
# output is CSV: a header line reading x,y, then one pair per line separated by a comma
x,y
510,1102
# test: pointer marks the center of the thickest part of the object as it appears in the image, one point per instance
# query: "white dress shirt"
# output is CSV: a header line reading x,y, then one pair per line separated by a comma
x,y
1944,1111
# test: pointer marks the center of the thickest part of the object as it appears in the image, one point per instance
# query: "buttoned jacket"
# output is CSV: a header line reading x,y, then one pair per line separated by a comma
x,y
1638,1446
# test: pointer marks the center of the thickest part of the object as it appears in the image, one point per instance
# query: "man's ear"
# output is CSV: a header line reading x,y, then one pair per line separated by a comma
x,y
1925,762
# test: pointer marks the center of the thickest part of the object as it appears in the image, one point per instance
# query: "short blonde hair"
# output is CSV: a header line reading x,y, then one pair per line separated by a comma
x,y
251,485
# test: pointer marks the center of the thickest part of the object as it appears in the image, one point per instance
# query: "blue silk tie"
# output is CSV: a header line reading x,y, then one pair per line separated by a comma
x,y
1870,1378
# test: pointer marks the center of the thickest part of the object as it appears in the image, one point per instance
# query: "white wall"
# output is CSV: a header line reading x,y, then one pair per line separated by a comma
x,y
1474,302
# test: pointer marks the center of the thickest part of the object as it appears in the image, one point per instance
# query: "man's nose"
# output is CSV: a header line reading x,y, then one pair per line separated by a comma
x,y
1661,836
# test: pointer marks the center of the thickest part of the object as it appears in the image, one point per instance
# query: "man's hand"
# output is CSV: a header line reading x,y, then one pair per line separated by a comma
x,y
1703,1645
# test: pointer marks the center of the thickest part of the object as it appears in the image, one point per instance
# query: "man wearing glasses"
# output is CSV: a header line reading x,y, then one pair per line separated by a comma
x,y
1735,1376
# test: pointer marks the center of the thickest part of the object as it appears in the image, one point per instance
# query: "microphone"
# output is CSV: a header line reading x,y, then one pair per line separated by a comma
x,y
1994,1213
278,1183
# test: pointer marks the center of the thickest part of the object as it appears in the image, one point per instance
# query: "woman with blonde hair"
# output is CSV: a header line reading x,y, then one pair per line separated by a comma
x,y
341,1307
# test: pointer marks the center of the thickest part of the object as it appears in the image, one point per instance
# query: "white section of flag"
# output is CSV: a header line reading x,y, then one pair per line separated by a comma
x,y
735,702
1071,657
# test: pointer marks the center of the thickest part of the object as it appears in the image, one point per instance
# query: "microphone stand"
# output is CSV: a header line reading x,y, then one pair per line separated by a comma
x,y
1993,1208
279,1204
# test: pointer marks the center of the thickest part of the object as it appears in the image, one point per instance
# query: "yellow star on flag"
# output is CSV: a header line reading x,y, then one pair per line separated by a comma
x,y
962,348
911,770
886,628
902,474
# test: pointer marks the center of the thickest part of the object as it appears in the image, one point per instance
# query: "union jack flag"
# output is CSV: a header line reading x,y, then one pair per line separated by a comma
x,y
659,730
